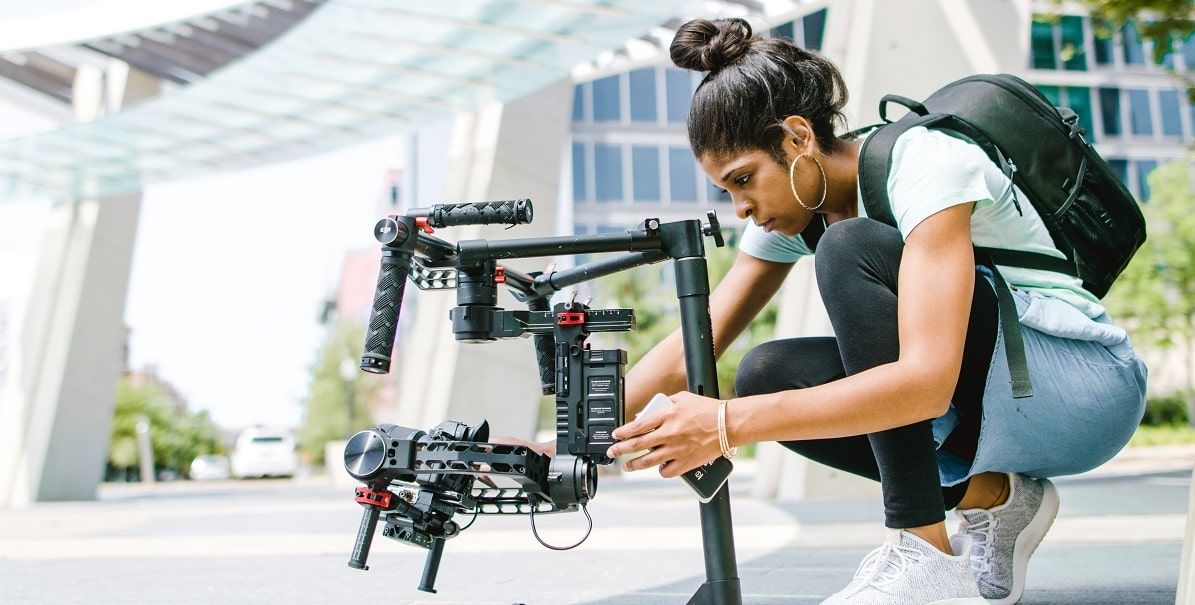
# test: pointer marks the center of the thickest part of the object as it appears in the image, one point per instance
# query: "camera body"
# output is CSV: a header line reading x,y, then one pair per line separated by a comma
x,y
590,390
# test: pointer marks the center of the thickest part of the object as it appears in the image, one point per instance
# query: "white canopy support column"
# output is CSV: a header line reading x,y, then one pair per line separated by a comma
x,y
72,343
498,157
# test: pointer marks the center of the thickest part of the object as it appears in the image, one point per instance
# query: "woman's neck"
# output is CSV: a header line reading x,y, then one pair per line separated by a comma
x,y
842,178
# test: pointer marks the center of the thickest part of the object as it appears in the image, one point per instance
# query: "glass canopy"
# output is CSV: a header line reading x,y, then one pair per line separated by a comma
x,y
350,71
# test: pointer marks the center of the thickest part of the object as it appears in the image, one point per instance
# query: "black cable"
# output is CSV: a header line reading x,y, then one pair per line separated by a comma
x,y
584,509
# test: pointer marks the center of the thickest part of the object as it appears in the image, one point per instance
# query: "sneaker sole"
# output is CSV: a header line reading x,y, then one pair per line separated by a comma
x,y
1028,542
962,601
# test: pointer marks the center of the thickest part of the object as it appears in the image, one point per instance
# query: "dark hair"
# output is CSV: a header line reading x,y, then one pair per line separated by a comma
x,y
752,85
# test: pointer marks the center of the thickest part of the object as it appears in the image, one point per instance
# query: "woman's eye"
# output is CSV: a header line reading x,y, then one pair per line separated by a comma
x,y
742,180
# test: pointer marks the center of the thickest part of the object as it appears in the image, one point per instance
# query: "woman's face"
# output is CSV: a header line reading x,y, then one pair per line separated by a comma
x,y
760,190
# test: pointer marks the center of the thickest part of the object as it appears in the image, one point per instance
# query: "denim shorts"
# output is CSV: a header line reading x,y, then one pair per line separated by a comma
x,y
1088,397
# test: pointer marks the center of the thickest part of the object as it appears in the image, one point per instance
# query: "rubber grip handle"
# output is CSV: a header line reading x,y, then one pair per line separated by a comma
x,y
504,212
545,351
369,521
383,320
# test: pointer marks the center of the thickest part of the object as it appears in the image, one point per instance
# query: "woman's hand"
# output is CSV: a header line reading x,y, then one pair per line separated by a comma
x,y
681,438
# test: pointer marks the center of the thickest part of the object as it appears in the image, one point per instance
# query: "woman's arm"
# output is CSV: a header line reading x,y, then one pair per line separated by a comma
x,y
737,299
936,280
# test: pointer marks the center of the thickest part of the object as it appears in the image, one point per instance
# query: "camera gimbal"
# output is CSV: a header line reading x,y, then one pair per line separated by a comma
x,y
415,481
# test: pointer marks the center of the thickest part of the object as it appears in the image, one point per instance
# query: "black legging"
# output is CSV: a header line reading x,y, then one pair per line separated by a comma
x,y
857,264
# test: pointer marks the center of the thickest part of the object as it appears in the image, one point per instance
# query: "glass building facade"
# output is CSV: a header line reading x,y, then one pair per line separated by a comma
x,y
1125,121
630,156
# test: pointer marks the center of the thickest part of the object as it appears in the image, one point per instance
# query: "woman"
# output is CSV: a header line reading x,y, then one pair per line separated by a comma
x,y
913,391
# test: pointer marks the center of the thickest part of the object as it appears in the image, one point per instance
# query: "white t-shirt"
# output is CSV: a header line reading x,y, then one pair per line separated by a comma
x,y
932,171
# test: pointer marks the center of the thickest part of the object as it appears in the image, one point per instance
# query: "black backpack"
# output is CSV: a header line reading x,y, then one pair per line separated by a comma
x,y
1091,216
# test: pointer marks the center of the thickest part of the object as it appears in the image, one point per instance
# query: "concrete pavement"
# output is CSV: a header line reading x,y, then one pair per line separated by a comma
x,y
1117,541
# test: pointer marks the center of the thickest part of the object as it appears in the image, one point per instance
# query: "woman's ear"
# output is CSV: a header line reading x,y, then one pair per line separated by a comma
x,y
799,137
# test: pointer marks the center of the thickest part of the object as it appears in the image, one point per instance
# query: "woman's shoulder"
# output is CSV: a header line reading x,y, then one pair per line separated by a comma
x,y
921,145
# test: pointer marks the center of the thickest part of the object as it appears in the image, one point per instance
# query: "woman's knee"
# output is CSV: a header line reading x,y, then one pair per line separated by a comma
x,y
855,248
794,363
757,371
853,238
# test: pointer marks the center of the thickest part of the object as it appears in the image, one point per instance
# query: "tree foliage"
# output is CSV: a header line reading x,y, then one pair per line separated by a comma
x,y
177,436
1155,296
651,293
326,416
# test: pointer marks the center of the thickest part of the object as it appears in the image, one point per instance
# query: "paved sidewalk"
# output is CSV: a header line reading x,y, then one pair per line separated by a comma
x,y
1117,541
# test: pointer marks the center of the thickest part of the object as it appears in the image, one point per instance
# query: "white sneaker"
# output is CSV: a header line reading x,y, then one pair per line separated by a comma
x,y
907,570
1005,536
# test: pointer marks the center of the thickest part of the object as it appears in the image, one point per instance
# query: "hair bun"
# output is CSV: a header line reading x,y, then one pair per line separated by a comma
x,y
703,45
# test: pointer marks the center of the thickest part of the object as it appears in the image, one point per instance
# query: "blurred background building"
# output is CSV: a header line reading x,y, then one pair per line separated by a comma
x,y
573,103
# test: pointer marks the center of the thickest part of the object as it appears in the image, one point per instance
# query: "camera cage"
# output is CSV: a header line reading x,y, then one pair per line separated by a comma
x,y
415,481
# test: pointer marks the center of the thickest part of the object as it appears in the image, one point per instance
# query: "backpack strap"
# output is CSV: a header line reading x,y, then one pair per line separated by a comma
x,y
1010,327
1029,260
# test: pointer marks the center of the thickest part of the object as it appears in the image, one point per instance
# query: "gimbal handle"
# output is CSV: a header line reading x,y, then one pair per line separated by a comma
x,y
398,237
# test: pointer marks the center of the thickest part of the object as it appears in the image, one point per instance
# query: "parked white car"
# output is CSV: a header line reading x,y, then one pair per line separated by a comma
x,y
264,452
209,468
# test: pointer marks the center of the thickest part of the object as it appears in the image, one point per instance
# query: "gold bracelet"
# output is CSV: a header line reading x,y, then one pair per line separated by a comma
x,y
723,441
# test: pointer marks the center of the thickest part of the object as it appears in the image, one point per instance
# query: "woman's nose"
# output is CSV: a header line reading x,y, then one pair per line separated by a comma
x,y
741,208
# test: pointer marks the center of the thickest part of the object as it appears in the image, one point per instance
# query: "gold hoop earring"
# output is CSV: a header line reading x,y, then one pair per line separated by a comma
x,y
792,170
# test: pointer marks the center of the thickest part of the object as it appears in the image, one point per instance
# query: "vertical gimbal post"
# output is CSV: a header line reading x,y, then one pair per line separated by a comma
x,y
683,243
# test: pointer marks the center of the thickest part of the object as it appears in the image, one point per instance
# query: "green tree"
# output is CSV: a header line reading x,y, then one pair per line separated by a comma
x,y
337,386
176,435
1155,296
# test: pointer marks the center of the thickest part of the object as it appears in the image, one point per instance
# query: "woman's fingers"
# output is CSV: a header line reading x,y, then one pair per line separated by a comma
x,y
643,442
655,457
639,426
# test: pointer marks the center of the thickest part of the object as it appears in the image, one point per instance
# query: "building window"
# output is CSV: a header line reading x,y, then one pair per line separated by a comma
x,y
1134,52
815,28
607,172
1172,124
606,106
579,103
645,173
579,172
1072,51
784,30
1141,121
1166,60
1144,168
1110,112
716,195
806,32
679,94
682,175
1042,41
1104,45
643,95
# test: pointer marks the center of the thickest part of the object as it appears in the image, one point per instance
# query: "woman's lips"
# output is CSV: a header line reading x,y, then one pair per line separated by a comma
x,y
768,226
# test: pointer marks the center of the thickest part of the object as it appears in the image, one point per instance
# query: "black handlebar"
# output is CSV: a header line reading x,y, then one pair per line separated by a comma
x,y
503,212
399,239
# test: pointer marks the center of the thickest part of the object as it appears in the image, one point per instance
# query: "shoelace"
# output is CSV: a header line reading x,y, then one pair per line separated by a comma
x,y
981,539
885,565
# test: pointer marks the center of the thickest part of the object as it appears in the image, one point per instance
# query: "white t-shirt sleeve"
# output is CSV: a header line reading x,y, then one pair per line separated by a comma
x,y
775,246
932,171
